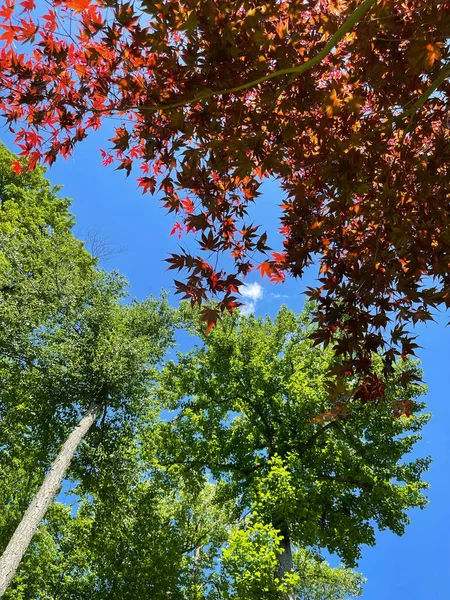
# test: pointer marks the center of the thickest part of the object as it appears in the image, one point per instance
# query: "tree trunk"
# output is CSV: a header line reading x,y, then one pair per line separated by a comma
x,y
285,564
35,512
195,570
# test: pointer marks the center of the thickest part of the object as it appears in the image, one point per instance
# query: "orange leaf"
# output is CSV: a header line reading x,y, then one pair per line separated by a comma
x,y
78,5
28,5
432,54
422,55
8,36
7,10
278,257
147,183
332,104
265,269
322,417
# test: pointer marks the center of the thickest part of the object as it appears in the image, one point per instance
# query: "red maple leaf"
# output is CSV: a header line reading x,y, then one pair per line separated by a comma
x,y
17,167
175,228
360,195
78,5
7,10
265,268
147,184
28,5
9,35
209,316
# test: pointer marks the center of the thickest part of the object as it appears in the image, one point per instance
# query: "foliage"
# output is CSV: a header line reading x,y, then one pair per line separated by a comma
x,y
344,102
256,449
67,339
100,350
75,341
44,268
252,411
250,561
115,548
131,547
318,581
44,273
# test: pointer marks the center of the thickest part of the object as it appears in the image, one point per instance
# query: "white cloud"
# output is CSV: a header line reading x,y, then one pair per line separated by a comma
x,y
248,309
254,291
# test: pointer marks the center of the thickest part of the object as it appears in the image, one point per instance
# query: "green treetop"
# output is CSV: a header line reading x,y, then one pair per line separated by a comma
x,y
252,410
44,273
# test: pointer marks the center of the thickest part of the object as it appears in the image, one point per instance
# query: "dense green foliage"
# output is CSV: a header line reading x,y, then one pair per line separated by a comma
x,y
67,338
252,411
44,272
200,470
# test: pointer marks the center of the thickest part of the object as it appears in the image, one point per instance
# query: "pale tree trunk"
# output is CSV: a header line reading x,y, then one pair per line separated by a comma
x,y
35,512
285,564
195,569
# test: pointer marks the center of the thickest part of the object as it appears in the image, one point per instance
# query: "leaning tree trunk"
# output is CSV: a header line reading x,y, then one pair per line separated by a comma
x,y
34,514
285,564
195,570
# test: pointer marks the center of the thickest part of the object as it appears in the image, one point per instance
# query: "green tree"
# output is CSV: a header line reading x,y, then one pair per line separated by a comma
x,y
248,469
101,358
44,268
318,581
69,350
154,535
131,539
251,559
44,273
253,411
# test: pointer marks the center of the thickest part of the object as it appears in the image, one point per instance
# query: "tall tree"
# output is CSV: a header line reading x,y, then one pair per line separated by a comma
x,y
44,273
253,411
44,268
100,359
69,349
187,526
344,102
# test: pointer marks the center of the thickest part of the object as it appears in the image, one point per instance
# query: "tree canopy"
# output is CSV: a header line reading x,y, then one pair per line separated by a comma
x,y
44,273
128,526
66,339
344,103
68,344
252,410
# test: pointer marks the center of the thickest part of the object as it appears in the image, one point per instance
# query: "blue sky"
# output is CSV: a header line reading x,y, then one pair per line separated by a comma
x,y
415,566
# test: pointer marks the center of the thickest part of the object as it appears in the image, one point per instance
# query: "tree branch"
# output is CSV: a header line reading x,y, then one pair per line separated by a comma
x,y
424,97
348,480
353,20
310,443
354,443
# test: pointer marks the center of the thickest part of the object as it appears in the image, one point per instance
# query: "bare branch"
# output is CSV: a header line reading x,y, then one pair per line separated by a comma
x,y
100,247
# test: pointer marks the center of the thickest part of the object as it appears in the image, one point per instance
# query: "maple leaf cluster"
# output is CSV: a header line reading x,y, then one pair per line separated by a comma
x,y
345,103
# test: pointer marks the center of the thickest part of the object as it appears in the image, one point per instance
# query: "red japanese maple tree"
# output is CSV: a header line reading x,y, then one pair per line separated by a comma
x,y
344,102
